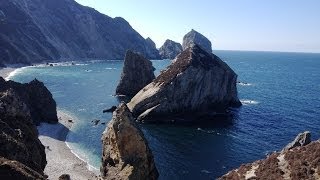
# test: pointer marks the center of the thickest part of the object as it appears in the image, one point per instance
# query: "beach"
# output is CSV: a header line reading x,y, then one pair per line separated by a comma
x,y
4,72
60,159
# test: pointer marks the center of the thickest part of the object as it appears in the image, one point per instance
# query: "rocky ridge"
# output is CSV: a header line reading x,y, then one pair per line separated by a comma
x,y
196,84
194,37
137,72
170,49
125,153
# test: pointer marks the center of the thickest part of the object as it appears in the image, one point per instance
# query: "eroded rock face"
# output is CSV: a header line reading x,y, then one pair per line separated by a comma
x,y
37,98
299,162
125,153
302,139
170,49
196,84
137,72
18,135
194,37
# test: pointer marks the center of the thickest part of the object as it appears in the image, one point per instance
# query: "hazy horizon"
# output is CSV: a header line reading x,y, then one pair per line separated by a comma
x,y
281,26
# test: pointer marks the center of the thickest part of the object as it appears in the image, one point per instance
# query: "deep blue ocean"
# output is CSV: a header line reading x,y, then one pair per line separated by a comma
x,y
280,94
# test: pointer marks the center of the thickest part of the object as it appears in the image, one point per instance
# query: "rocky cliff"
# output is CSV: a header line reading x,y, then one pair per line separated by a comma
x,y
137,72
170,49
37,98
125,153
301,161
194,37
21,152
34,31
196,84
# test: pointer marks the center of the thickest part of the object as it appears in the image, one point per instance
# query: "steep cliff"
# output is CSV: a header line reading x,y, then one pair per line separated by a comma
x,y
194,37
170,49
37,98
35,31
137,72
196,84
125,151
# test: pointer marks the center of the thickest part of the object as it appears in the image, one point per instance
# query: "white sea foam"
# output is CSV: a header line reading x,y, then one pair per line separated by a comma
x,y
15,72
248,102
111,68
244,84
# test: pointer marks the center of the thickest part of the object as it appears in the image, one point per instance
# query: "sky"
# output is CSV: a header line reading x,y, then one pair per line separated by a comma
x,y
269,25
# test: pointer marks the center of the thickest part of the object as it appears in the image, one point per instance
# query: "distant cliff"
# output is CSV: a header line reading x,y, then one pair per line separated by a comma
x,y
170,49
35,31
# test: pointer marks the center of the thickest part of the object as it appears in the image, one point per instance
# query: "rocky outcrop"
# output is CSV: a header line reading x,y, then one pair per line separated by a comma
x,y
34,31
194,37
299,162
302,139
196,84
170,49
19,137
137,72
125,153
37,98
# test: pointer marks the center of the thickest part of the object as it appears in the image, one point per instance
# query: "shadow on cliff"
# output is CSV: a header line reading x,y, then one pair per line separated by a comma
x,y
56,131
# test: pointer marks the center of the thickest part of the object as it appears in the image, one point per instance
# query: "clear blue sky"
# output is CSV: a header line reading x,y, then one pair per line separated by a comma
x,y
269,25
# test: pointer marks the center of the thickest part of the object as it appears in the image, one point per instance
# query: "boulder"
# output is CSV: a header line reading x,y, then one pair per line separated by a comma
x,y
170,49
195,84
137,72
300,162
37,98
18,135
302,139
194,37
125,151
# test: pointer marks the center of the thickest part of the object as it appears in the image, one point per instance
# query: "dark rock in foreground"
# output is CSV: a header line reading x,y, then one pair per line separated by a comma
x,y
37,98
299,162
125,153
137,72
194,37
19,138
170,49
196,84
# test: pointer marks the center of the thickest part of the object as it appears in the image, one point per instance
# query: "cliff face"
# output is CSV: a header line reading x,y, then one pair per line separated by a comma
x,y
37,98
125,153
137,72
19,139
36,30
196,84
170,49
194,37
299,160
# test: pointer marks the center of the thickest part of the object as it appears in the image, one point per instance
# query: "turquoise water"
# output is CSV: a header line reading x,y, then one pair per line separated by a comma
x,y
280,94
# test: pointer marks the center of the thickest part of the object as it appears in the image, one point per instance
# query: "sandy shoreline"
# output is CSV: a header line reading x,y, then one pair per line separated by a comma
x,y
60,158
5,72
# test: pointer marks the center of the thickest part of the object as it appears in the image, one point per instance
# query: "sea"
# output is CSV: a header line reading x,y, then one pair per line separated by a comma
x,y
280,93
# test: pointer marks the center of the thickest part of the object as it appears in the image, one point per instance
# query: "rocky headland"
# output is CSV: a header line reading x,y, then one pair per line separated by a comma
x,y
194,37
170,49
137,72
298,160
197,83
35,31
125,153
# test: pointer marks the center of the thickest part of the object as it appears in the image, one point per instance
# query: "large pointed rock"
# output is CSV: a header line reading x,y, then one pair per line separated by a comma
x,y
137,72
196,84
170,49
194,37
125,153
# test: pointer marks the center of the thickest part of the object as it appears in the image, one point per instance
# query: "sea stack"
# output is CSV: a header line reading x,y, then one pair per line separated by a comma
x,y
197,83
125,151
300,162
170,49
137,72
194,37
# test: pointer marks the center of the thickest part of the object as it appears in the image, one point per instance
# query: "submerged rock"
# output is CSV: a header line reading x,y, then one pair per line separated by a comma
x,y
194,37
125,153
137,72
110,110
170,49
300,162
37,98
196,84
19,136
